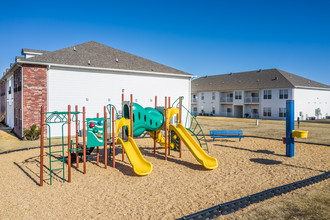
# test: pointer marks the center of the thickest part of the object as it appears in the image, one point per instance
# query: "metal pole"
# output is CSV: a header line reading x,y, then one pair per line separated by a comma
x,y
180,113
155,131
132,116
105,138
84,138
69,143
165,113
289,128
97,148
122,130
169,133
113,139
77,138
42,146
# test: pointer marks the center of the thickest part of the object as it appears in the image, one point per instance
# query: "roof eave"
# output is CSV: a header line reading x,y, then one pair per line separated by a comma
x,y
10,70
308,87
105,69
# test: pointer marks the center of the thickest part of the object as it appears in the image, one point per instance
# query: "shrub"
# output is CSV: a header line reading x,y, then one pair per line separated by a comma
x,y
33,133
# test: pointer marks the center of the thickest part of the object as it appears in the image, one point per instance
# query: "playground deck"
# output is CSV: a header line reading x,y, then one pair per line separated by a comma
x,y
175,188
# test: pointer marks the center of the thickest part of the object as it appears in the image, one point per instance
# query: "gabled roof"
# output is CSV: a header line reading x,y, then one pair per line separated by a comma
x,y
26,50
93,54
258,79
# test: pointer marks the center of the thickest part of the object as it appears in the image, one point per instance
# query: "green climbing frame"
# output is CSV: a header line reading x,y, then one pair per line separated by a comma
x,y
57,118
194,127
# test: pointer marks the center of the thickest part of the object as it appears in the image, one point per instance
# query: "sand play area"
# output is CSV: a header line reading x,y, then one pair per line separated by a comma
x,y
175,188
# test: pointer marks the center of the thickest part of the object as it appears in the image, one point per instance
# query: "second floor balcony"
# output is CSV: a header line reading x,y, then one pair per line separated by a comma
x,y
226,99
251,99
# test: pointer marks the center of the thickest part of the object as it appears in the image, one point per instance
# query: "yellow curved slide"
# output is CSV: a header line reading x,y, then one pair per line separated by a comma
x,y
200,155
140,165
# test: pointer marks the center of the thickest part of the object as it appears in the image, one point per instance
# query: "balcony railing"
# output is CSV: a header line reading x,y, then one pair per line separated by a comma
x,y
226,99
251,99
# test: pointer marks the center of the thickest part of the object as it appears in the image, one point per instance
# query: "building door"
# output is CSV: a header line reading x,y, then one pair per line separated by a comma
x,y
238,111
10,102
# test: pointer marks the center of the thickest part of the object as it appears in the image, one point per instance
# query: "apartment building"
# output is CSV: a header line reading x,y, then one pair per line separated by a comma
x,y
259,94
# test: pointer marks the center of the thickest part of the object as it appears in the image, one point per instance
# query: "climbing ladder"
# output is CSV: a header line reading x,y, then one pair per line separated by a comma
x,y
58,118
193,126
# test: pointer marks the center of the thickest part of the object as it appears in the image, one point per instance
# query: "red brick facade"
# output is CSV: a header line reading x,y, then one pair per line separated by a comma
x,y
34,93
18,102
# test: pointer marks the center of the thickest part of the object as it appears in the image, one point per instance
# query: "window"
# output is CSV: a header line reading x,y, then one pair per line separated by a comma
x,y
195,109
229,110
267,112
194,96
202,97
213,110
213,95
267,94
284,94
282,112
255,111
238,94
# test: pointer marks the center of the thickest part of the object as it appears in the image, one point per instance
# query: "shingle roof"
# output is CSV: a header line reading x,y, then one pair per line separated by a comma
x,y
258,79
93,54
26,50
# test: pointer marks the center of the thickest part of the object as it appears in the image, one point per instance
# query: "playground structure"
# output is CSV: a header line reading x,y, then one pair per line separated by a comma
x,y
290,132
135,121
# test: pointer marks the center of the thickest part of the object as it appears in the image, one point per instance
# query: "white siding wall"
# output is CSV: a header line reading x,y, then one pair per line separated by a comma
x,y
101,88
208,102
10,101
238,101
307,100
274,103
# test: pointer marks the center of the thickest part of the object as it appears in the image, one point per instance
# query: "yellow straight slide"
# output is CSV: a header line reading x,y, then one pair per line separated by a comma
x,y
140,165
200,155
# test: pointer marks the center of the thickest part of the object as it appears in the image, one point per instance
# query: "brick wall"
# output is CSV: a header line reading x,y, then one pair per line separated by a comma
x,y
18,102
34,93
3,98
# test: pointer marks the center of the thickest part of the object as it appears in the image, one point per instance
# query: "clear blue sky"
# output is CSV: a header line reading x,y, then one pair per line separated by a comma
x,y
199,37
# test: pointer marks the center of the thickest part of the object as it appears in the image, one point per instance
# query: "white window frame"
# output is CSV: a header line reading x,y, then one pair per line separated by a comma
x,y
267,94
284,94
238,95
282,112
267,112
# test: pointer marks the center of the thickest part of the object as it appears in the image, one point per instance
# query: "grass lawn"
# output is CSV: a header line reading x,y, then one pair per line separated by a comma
x,y
318,131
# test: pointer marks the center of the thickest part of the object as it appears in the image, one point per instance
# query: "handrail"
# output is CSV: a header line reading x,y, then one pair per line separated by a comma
x,y
193,131
109,110
193,119
182,97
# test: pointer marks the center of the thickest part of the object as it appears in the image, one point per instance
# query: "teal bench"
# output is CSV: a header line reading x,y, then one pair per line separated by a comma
x,y
226,134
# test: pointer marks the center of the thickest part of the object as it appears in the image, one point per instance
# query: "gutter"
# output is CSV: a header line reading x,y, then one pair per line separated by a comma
x,y
316,88
106,69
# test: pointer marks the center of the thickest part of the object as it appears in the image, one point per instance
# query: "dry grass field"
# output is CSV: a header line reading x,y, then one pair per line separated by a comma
x,y
318,131
177,187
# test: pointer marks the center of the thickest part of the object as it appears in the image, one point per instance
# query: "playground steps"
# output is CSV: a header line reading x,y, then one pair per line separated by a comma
x,y
51,170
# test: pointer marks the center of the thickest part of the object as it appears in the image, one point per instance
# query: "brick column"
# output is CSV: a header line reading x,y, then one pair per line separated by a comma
x,y
34,93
